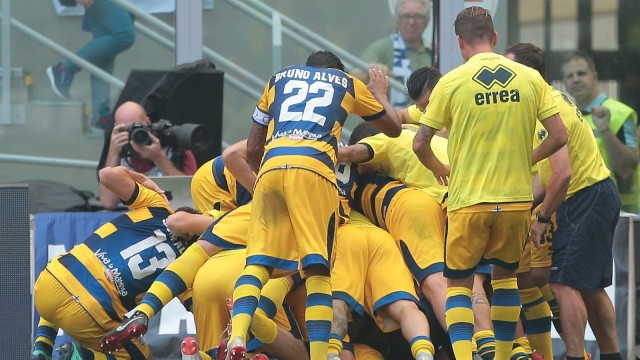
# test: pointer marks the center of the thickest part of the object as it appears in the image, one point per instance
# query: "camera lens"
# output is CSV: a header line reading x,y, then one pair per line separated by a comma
x,y
140,136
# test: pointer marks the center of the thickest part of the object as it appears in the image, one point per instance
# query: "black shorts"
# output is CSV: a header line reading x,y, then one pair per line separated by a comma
x,y
582,246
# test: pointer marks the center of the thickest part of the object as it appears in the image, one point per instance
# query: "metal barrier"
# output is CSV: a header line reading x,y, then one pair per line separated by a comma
x,y
631,283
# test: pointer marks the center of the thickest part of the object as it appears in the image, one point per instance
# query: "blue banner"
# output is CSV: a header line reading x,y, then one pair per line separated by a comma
x,y
57,233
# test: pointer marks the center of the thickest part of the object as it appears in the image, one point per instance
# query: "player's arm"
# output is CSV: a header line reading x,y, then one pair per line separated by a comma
x,y
182,222
556,139
389,123
555,193
356,153
422,149
236,160
122,181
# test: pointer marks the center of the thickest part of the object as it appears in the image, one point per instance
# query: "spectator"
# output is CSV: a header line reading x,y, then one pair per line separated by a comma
x,y
399,54
113,33
613,123
153,159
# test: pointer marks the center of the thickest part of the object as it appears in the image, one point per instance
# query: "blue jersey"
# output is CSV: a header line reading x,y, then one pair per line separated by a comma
x,y
116,264
305,108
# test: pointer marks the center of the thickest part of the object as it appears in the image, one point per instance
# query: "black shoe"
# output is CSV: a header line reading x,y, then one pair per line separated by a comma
x,y
69,351
131,328
60,80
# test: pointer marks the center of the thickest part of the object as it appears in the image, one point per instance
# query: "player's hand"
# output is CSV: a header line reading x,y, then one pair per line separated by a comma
x,y
601,118
384,69
378,82
151,151
441,172
535,232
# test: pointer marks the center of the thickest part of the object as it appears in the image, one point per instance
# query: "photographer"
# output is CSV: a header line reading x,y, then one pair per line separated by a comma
x,y
152,159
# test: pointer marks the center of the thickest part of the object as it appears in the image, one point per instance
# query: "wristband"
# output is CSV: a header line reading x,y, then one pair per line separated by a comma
x,y
542,219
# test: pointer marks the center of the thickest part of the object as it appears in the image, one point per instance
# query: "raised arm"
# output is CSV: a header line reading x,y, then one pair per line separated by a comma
x,y
122,181
389,123
235,159
255,146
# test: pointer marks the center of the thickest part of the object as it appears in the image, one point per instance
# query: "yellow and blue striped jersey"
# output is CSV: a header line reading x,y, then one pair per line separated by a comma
x,y
118,262
213,187
587,164
489,105
304,109
346,175
373,195
394,157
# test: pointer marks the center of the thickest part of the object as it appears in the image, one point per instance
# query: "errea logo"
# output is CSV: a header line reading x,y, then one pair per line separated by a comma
x,y
500,75
488,78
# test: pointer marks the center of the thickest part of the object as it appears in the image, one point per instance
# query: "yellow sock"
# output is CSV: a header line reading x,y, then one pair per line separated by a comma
x,y
538,321
174,280
245,299
486,343
505,310
272,295
459,318
318,315
335,344
263,328
421,344
524,343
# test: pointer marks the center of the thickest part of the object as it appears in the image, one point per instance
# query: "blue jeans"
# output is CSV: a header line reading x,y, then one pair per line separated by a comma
x,y
113,33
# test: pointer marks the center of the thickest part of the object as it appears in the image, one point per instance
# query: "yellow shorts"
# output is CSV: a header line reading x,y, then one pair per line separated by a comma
x,y
366,352
485,233
539,258
78,316
369,273
293,220
417,222
210,309
229,232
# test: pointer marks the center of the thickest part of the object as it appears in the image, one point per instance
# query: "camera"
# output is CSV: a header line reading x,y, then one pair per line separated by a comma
x,y
188,136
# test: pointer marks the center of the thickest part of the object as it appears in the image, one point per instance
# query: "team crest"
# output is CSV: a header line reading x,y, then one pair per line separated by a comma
x,y
542,134
500,75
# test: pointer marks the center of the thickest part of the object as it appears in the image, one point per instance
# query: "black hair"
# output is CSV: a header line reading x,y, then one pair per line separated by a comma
x,y
325,59
361,131
420,80
528,54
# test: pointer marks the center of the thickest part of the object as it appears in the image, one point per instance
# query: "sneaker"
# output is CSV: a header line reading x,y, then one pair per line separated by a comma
x,y
189,349
39,355
60,80
132,327
221,350
69,351
236,350
259,356
424,356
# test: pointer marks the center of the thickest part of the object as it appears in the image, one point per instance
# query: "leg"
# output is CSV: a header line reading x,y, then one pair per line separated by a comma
x,y
318,313
505,309
573,316
414,325
459,316
602,319
537,316
434,288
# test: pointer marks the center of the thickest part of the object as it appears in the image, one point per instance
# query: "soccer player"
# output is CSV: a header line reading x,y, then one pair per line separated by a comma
x,y
90,288
302,111
489,105
215,190
587,206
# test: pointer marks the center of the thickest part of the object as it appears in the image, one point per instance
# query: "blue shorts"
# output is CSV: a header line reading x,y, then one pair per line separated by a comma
x,y
582,246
